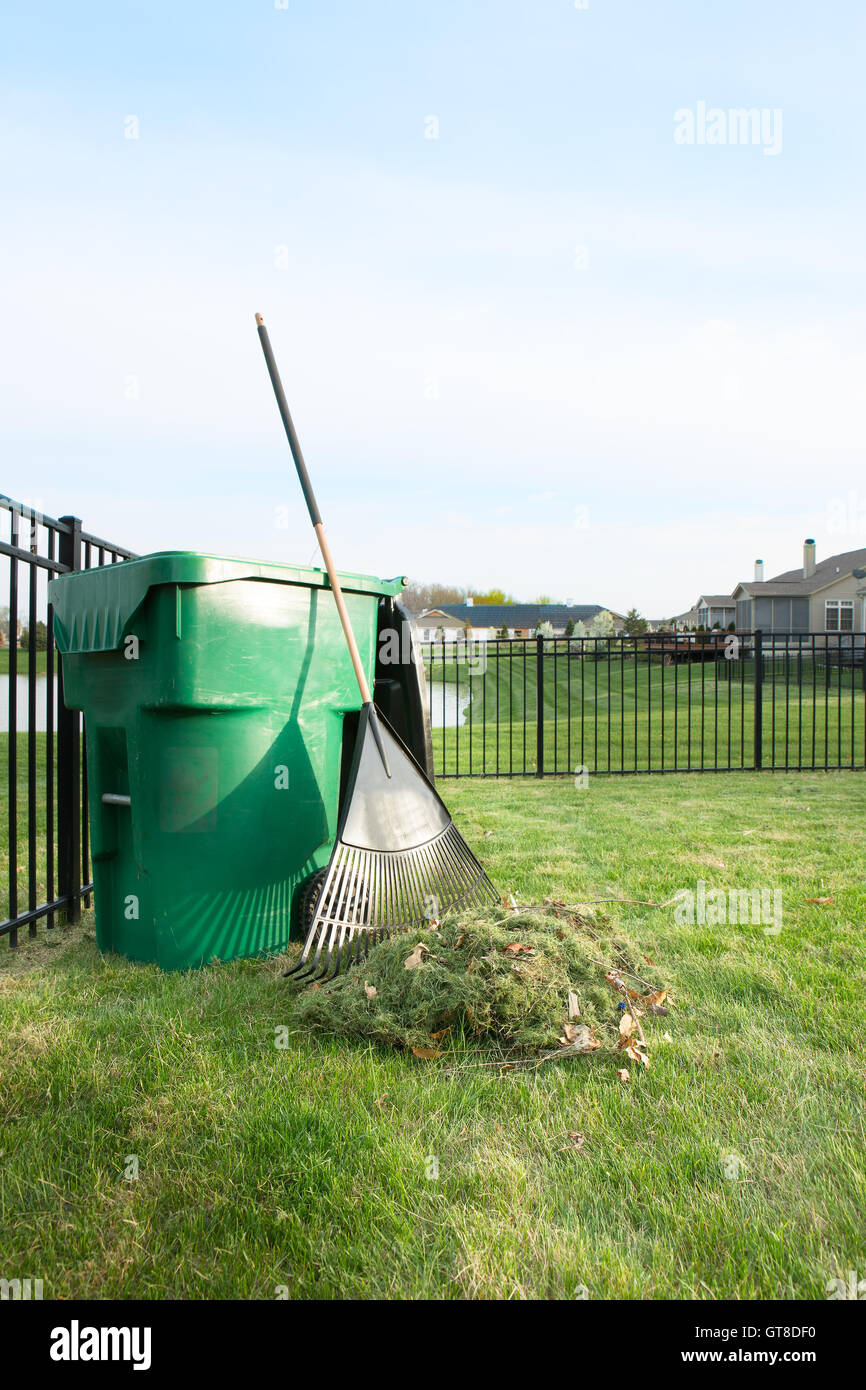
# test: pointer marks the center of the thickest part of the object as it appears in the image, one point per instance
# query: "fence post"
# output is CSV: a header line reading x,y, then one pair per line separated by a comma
x,y
69,760
539,705
759,699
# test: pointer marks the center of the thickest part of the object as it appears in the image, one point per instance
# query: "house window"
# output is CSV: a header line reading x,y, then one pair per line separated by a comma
x,y
839,614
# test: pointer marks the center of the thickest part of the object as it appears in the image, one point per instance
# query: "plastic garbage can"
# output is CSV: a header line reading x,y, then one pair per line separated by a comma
x,y
214,693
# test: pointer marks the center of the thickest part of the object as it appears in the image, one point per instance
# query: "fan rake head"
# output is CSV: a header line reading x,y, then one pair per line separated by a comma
x,y
398,860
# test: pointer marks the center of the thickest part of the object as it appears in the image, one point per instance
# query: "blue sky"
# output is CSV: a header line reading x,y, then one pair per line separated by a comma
x,y
551,349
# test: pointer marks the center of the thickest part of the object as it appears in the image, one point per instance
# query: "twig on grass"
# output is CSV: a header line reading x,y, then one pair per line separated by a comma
x,y
575,907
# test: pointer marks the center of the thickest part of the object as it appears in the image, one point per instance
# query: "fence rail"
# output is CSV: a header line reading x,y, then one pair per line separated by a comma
x,y
690,702
46,781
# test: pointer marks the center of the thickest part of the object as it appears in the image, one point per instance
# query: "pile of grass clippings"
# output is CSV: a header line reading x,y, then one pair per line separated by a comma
x,y
532,983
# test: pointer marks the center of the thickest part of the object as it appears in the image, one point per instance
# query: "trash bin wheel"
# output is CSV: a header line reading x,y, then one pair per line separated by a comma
x,y
308,897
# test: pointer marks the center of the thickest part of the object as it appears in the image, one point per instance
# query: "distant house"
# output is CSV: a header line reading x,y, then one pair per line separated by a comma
x,y
716,608
711,610
826,596
482,621
683,622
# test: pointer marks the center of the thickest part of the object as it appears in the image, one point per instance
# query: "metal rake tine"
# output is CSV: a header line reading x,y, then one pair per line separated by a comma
x,y
353,929
334,916
355,888
305,953
314,933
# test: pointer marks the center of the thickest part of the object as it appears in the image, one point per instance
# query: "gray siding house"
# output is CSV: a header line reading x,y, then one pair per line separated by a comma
x,y
827,596
716,608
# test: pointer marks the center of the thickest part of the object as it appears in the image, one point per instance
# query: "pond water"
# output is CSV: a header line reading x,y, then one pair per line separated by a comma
x,y
450,713
443,715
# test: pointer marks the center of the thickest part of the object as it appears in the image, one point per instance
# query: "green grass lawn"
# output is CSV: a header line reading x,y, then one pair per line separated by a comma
x,y
643,715
23,658
306,1167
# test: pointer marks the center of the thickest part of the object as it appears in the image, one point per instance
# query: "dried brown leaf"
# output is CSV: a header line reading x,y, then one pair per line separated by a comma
x,y
417,957
577,1037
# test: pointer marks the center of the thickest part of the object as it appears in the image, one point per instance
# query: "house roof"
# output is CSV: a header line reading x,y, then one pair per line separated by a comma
x,y
792,583
516,614
716,600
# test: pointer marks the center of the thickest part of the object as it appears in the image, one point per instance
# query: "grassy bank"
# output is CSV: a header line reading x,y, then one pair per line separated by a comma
x,y
24,662
733,1168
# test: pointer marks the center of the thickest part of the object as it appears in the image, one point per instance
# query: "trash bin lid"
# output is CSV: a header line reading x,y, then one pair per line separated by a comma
x,y
92,608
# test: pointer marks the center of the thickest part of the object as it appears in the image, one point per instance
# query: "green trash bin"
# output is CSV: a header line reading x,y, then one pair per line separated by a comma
x,y
214,693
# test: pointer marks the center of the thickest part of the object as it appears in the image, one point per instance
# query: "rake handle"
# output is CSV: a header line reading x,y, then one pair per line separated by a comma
x,y
318,527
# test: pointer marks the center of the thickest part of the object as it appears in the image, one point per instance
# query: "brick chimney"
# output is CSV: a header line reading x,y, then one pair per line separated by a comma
x,y
759,571
808,559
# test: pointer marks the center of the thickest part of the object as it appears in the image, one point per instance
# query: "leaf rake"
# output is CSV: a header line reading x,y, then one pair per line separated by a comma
x,y
398,860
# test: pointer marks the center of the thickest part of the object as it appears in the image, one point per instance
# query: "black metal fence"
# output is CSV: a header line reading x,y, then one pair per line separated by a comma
x,y
45,847
685,702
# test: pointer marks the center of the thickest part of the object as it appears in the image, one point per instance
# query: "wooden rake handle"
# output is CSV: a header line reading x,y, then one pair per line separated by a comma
x,y
318,527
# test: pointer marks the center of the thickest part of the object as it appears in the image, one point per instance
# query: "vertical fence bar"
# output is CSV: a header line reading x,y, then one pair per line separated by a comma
x,y
800,700
741,657
773,647
49,747
729,681
622,642
32,805
69,761
510,703
676,667
853,701
595,642
583,701
814,699
568,701
703,703
608,659
662,704
715,704
838,702
689,712
555,705
13,728
787,696
523,664
634,652
498,715
826,704
466,652
758,735
539,706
